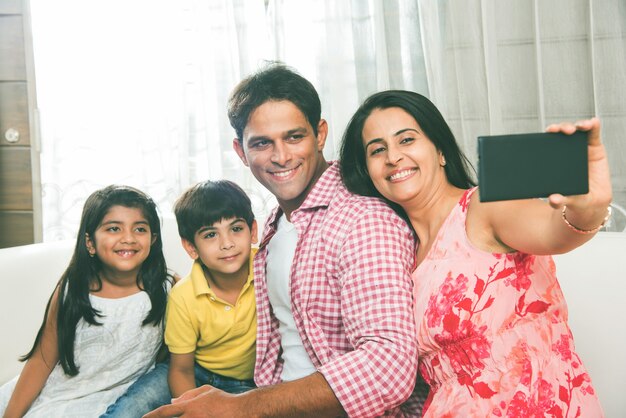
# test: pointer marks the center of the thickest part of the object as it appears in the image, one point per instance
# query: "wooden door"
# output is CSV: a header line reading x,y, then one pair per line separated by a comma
x,y
19,161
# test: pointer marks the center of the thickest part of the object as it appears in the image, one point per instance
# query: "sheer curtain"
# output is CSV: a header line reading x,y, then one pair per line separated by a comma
x,y
349,50
135,92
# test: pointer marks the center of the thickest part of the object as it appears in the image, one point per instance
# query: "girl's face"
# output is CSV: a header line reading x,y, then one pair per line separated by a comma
x,y
401,160
122,241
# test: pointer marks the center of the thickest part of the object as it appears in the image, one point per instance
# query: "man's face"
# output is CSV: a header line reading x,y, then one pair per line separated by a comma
x,y
283,152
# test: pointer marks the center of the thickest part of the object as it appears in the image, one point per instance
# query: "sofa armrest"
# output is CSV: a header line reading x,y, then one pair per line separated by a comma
x,y
30,273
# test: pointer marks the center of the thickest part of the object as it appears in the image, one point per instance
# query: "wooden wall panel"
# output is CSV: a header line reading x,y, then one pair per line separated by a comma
x,y
11,6
12,45
16,189
18,223
14,112
16,228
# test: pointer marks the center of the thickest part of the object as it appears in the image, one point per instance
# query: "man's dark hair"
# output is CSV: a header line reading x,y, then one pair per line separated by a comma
x,y
275,82
209,202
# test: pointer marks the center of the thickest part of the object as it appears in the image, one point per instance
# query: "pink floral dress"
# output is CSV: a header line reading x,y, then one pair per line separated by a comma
x,y
493,334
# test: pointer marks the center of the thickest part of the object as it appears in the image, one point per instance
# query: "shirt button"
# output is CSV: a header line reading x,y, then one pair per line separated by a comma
x,y
227,308
212,298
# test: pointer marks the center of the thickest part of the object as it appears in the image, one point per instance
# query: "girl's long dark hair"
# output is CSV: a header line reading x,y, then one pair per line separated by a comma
x,y
83,271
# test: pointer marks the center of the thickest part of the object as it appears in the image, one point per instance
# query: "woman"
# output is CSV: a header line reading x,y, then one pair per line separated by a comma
x,y
492,321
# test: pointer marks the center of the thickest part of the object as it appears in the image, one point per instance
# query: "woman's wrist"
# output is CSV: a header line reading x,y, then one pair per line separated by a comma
x,y
582,228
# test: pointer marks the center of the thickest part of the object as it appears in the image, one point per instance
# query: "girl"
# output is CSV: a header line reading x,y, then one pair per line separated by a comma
x,y
103,323
492,325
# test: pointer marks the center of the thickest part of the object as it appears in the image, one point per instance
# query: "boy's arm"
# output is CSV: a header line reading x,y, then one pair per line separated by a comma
x,y
181,336
37,368
181,377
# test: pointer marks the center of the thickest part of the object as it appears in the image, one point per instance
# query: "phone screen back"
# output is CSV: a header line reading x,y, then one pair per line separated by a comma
x,y
531,165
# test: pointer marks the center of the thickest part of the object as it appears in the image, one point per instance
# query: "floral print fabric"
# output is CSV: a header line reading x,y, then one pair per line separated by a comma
x,y
492,333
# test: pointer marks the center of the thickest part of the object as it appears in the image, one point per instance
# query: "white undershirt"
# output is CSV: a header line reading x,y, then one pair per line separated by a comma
x,y
280,253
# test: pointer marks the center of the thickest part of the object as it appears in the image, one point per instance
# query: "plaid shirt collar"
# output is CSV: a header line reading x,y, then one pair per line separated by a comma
x,y
319,197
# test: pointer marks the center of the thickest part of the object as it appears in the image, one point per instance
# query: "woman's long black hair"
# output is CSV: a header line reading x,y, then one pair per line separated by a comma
x,y
83,272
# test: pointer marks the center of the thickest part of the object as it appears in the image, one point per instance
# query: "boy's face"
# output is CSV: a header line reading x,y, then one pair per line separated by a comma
x,y
224,247
283,152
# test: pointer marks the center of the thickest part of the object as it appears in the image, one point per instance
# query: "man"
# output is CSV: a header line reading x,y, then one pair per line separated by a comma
x,y
335,332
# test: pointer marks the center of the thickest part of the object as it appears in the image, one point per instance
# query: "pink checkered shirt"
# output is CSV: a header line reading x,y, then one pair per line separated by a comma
x,y
350,297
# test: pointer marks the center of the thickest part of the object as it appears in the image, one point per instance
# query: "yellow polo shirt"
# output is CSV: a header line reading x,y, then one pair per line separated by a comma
x,y
222,335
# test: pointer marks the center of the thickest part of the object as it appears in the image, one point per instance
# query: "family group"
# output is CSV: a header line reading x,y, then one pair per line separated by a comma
x,y
380,285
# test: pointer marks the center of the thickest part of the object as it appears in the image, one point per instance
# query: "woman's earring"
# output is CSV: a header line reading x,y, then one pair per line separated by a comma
x,y
89,245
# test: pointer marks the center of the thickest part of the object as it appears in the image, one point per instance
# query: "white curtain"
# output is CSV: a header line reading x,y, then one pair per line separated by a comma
x,y
135,92
511,66
349,50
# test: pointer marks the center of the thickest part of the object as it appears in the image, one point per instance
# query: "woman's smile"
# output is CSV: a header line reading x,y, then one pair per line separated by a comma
x,y
401,175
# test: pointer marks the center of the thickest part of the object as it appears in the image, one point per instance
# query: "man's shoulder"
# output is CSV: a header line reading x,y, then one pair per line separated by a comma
x,y
365,202
352,218
354,204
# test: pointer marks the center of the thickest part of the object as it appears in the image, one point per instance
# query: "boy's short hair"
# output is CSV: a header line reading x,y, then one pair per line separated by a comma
x,y
209,202
274,82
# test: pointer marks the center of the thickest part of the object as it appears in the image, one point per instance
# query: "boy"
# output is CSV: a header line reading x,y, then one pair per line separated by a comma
x,y
211,315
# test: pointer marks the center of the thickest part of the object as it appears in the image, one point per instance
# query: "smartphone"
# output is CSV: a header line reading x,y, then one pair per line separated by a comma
x,y
523,166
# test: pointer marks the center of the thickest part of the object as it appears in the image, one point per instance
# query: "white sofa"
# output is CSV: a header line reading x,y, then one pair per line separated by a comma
x,y
593,278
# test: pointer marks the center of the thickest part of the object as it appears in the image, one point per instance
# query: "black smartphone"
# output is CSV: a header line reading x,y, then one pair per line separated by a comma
x,y
523,166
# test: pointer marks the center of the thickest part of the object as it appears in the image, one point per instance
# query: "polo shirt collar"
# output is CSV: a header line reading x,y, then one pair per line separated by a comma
x,y
200,285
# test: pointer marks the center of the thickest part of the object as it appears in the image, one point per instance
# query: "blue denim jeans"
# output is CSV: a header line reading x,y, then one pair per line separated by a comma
x,y
227,384
151,391
148,393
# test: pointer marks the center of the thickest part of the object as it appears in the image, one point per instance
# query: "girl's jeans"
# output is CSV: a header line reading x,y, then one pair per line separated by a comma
x,y
151,391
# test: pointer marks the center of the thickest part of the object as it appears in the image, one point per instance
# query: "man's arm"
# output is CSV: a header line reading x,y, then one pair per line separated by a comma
x,y
307,397
181,376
